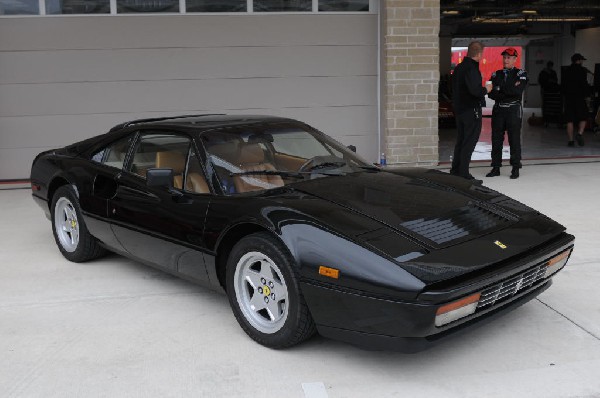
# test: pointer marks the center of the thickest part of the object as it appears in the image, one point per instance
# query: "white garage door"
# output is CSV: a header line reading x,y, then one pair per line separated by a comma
x,y
65,79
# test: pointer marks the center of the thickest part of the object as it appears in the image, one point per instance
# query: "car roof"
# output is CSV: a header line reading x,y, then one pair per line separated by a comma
x,y
203,121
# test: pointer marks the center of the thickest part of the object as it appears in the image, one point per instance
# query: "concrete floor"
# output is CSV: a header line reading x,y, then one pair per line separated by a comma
x,y
115,328
538,142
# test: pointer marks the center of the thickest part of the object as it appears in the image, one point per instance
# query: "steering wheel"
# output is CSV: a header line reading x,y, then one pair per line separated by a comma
x,y
316,160
305,165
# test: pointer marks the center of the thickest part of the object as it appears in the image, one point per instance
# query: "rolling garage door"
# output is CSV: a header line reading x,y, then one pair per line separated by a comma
x,y
69,78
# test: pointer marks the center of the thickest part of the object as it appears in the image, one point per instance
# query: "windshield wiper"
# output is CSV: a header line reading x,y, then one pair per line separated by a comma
x,y
268,172
372,168
325,165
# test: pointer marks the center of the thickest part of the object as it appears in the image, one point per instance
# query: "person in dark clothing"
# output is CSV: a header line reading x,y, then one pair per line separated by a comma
x,y
468,95
548,79
575,88
549,89
507,114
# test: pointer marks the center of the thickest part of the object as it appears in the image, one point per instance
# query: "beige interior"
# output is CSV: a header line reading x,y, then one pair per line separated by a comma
x,y
252,158
176,161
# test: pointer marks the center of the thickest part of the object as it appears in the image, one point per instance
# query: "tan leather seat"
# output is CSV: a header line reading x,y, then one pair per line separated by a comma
x,y
195,182
172,160
252,158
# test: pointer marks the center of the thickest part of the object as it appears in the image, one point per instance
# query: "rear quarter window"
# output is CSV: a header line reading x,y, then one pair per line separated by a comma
x,y
114,154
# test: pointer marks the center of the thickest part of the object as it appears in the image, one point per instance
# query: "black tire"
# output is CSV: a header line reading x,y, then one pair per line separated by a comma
x,y
67,222
286,321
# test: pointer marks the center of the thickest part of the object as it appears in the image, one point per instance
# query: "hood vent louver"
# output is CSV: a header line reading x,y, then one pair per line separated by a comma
x,y
463,223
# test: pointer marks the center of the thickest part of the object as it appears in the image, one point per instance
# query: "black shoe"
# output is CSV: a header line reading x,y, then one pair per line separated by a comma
x,y
494,173
474,180
571,143
580,139
514,173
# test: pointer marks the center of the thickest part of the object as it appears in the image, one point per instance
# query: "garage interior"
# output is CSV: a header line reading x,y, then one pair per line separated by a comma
x,y
545,30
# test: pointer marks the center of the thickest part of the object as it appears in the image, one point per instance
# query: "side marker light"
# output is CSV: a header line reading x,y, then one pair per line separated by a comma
x,y
329,272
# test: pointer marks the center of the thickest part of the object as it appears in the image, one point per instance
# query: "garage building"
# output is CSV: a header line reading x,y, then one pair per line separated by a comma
x,y
363,71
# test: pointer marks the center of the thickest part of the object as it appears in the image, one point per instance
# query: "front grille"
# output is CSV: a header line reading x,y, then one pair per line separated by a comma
x,y
507,289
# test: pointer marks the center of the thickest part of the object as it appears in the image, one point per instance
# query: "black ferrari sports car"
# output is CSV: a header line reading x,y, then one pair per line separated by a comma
x,y
301,233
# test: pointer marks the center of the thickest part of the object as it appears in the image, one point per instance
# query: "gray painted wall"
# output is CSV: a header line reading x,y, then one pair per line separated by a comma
x,y
65,79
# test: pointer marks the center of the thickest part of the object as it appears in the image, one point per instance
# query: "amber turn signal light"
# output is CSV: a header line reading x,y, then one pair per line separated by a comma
x,y
457,309
558,258
556,263
329,272
457,304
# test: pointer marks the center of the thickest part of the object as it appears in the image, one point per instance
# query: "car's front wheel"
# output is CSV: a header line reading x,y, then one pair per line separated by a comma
x,y
70,233
264,293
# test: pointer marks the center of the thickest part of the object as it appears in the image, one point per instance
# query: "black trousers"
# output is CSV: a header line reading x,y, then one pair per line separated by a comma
x,y
576,109
468,125
507,119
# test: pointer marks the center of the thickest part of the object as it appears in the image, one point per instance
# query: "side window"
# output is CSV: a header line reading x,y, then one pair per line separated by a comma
x,y
195,180
169,151
160,150
114,154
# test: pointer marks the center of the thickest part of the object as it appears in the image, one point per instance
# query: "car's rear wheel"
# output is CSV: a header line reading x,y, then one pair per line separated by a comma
x,y
264,293
70,233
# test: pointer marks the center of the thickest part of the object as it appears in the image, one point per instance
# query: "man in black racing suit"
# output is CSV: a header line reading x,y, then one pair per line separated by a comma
x,y
507,115
467,97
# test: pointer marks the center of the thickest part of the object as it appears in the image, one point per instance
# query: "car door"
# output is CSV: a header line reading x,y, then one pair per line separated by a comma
x,y
159,225
100,186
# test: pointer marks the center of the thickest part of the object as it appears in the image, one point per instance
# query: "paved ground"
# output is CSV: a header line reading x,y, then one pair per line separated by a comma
x,y
115,328
538,142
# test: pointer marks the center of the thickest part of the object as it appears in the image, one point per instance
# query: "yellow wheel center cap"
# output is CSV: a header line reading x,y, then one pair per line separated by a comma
x,y
73,223
266,290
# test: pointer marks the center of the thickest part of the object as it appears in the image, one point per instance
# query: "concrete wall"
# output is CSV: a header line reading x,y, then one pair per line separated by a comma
x,y
567,48
537,55
587,42
411,60
65,79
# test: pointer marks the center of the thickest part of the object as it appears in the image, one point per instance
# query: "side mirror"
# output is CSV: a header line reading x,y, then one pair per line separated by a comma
x,y
352,148
160,178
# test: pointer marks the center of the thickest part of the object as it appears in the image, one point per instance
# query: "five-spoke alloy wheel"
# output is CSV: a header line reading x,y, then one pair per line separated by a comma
x,y
264,292
71,235
261,292
66,224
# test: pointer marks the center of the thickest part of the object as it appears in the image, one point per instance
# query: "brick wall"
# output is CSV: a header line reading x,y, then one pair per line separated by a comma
x,y
410,81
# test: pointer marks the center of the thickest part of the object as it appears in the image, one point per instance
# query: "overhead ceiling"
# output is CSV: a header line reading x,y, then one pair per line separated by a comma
x,y
516,17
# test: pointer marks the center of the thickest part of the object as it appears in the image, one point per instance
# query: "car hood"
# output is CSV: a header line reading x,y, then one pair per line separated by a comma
x,y
433,208
435,225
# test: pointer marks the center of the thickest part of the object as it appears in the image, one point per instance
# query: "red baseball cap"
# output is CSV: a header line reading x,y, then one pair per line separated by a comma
x,y
510,51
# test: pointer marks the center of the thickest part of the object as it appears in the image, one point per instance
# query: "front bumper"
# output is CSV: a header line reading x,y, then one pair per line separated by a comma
x,y
385,328
391,324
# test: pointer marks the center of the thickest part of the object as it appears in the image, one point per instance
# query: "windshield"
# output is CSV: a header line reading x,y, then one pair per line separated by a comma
x,y
269,156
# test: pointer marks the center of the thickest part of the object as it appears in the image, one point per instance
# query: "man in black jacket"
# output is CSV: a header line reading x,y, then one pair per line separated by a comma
x,y
575,88
507,115
468,95
548,79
